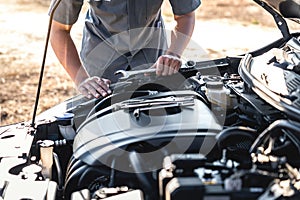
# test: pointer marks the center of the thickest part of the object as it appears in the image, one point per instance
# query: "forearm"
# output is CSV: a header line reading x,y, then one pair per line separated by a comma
x,y
181,34
66,52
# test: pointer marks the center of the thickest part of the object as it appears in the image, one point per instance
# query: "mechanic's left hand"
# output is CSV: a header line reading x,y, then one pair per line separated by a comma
x,y
167,65
95,87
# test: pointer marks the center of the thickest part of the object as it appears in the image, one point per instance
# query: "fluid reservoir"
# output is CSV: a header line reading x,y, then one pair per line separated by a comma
x,y
65,124
216,93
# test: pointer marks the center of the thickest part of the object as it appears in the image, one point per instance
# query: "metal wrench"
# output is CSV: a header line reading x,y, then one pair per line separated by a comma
x,y
126,74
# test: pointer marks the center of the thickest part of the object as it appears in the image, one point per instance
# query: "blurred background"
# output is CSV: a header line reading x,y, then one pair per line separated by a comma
x,y
223,28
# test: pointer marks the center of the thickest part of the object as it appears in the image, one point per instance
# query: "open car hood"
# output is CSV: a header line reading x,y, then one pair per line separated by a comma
x,y
287,8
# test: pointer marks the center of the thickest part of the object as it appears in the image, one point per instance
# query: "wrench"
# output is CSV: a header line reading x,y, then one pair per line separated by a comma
x,y
127,74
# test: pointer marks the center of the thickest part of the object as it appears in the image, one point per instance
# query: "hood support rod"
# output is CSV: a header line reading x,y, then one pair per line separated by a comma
x,y
43,63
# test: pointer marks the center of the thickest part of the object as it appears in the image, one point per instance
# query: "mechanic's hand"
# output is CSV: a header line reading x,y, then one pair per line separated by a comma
x,y
167,65
95,87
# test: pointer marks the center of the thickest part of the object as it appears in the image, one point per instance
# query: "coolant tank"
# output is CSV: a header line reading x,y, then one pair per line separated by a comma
x,y
65,124
216,93
65,119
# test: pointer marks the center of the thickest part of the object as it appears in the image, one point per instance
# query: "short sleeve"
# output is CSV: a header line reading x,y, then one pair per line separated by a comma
x,y
181,7
67,11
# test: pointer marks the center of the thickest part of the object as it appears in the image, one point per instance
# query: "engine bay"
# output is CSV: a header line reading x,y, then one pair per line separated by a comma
x,y
213,136
222,129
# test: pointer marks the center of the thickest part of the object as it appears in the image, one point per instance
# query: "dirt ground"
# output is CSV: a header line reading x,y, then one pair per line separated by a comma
x,y
22,35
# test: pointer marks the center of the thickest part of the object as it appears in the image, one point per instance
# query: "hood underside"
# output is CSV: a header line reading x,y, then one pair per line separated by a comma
x,y
287,8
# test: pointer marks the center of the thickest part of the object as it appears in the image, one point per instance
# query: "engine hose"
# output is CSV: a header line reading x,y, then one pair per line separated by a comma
x,y
59,171
90,175
112,173
72,180
140,173
273,129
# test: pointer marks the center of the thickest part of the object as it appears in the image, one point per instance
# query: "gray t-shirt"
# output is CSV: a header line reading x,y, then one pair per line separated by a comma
x,y
120,33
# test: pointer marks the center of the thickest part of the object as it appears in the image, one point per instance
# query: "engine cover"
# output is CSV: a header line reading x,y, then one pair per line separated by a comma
x,y
171,122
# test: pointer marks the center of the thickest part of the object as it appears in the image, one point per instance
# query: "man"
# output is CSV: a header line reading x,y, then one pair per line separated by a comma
x,y
119,34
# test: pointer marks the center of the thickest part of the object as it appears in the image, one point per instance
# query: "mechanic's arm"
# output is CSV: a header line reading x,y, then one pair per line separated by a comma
x,y
66,52
170,63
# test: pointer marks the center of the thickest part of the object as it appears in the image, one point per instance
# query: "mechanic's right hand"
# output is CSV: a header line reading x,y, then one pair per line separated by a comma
x,y
94,87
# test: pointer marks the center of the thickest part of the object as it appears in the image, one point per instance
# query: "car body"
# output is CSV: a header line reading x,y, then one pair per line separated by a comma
x,y
225,128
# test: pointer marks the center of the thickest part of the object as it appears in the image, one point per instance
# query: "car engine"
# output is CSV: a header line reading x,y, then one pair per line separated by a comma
x,y
222,129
